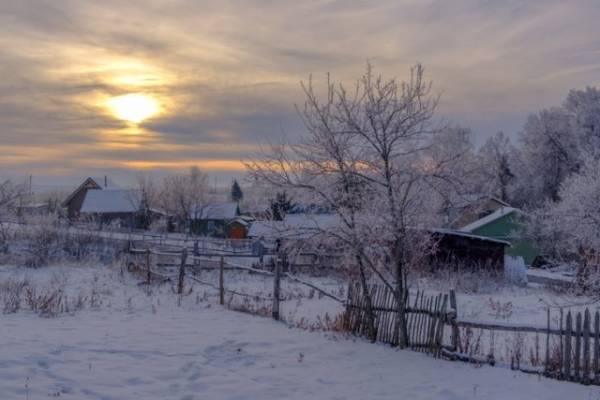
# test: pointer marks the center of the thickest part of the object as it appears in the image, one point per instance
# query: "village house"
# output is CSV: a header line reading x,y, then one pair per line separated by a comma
x,y
219,220
117,206
451,248
75,200
505,223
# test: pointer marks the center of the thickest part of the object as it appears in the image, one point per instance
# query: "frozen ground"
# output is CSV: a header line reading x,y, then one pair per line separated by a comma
x,y
131,343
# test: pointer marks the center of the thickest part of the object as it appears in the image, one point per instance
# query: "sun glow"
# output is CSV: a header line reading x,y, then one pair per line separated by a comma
x,y
134,107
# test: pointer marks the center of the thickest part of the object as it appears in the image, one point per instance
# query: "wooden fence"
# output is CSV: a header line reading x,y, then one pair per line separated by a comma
x,y
148,261
426,317
569,351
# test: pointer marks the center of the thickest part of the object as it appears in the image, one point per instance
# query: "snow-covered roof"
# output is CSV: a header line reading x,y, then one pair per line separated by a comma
x,y
110,201
216,211
499,213
95,182
266,229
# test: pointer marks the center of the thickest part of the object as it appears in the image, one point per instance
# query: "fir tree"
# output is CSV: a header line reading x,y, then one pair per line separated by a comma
x,y
236,192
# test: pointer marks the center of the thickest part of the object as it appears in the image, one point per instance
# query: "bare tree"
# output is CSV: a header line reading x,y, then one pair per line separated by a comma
x,y
365,159
184,195
496,158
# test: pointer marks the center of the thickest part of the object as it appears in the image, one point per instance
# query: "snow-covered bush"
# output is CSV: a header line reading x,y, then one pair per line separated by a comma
x,y
515,270
44,240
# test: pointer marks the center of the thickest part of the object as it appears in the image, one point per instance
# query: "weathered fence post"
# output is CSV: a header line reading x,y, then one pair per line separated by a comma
x,y
453,320
148,273
221,287
196,252
276,283
586,347
596,344
547,359
577,363
181,271
567,354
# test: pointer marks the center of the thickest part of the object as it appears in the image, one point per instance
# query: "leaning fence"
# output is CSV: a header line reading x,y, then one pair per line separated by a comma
x,y
567,348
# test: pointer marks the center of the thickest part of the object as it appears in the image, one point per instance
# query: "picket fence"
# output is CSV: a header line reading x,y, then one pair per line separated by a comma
x,y
571,351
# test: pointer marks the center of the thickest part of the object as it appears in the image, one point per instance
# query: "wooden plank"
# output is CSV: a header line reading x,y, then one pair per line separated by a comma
x,y
424,330
455,331
221,282
276,285
385,317
596,346
441,325
547,358
148,272
180,281
562,338
586,347
411,321
432,321
567,354
418,320
577,363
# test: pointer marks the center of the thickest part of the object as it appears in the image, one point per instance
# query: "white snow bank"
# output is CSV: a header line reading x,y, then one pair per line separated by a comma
x,y
211,353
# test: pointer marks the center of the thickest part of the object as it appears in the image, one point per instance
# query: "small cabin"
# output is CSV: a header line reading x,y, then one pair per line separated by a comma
x,y
215,219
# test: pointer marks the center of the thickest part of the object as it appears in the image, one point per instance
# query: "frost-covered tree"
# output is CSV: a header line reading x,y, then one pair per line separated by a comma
x,y
496,158
365,157
549,153
583,107
576,217
184,195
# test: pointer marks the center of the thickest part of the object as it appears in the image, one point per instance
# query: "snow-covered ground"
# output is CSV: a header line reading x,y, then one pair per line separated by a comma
x,y
132,342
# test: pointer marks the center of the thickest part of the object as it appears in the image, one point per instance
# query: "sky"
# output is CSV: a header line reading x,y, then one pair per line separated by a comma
x,y
115,87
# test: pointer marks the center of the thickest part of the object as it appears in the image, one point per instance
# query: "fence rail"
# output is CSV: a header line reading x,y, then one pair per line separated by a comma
x,y
143,261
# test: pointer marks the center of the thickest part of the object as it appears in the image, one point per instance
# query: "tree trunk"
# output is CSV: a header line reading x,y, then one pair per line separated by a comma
x,y
372,332
401,328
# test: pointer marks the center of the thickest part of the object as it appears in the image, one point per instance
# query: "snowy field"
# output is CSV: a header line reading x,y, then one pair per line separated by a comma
x,y
118,340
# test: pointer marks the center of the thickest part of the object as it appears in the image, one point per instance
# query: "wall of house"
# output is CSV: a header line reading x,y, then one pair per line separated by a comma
x,y
507,228
236,230
464,252
76,203
209,227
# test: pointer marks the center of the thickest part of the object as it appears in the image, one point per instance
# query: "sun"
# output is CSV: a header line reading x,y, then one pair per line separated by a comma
x,y
134,107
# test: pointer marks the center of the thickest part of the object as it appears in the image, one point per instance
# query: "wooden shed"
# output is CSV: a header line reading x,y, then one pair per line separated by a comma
x,y
465,250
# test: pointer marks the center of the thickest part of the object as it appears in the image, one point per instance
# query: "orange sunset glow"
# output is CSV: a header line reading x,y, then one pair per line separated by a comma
x,y
147,86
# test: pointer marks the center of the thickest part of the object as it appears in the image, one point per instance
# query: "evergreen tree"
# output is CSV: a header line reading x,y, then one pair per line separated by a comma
x,y
236,192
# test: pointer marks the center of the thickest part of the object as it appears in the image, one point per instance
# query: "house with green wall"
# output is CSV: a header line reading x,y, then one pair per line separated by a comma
x,y
214,219
505,223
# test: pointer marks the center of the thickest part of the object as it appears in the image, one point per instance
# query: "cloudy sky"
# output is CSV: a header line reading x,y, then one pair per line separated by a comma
x,y
110,87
